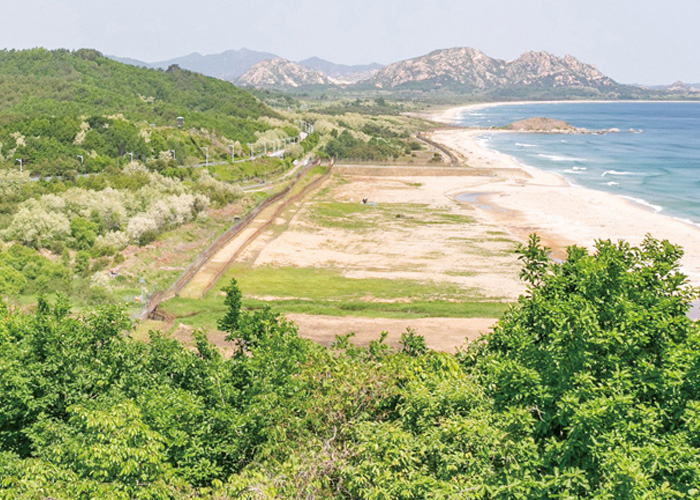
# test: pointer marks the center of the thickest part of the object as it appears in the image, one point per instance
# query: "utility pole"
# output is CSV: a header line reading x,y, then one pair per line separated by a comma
x,y
20,164
142,282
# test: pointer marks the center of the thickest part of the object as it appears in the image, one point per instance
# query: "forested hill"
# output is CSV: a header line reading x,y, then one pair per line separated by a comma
x,y
61,82
47,94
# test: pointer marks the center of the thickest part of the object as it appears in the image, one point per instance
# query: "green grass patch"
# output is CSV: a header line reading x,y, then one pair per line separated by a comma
x,y
399,310
360,216
454,218
327,292
329,284
205,313
263,167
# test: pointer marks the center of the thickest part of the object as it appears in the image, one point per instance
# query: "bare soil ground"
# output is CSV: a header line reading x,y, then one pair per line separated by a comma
x,y
405,242
469,249
212,269
441,334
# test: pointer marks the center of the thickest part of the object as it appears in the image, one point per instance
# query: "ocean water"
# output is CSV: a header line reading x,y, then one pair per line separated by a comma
x,y
659,167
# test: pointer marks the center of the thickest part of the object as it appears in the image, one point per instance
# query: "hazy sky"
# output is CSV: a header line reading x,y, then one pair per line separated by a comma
x,y
632,41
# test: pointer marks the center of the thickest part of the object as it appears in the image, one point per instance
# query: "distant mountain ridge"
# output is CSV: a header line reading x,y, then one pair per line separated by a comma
x,y
231,64
280,73
676,87
227,65
342,72
459,71
468,69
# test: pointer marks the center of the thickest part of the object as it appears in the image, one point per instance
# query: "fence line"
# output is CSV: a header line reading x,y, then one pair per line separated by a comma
x,y
217,245
267,224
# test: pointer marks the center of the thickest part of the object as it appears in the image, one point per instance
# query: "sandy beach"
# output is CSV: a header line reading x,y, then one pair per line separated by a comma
x,y
526,200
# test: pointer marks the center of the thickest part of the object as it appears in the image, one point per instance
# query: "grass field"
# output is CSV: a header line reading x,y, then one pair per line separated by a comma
x,y
327,292
327,289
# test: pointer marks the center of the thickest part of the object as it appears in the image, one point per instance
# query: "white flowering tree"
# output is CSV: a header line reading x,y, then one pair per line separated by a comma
x,y
34,225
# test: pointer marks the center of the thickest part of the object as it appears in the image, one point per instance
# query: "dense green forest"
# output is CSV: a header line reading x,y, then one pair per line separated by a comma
x,y
66,113
105,166
56,105
587,388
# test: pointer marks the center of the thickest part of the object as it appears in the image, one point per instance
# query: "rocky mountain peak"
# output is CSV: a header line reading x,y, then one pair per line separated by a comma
x,y
463,65
281,73
468,69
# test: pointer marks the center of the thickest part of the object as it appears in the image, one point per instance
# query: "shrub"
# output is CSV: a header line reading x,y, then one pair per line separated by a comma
x,y
12,282
107,244
82,262
83,232
35,226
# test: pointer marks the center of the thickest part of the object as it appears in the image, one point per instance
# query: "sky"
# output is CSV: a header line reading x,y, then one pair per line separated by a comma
x,y
632,41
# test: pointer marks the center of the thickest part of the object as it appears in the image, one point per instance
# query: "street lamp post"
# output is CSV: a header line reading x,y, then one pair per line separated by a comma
x,y
251,150
233,152
20,164
131,156
206,159
172,152
82,160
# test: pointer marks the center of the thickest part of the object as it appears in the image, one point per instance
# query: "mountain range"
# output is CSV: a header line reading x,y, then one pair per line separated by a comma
x,y
676,87
231,64
341,72
461,70
280,73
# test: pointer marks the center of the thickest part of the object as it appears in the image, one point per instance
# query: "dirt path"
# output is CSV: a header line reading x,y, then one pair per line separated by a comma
x,y
213,269
441,334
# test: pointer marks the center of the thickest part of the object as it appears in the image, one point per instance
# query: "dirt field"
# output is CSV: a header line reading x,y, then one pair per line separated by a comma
x,y
411,228
441,334
416,230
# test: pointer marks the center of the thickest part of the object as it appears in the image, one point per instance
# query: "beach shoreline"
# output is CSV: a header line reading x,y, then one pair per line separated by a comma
x,y
448,116
530,200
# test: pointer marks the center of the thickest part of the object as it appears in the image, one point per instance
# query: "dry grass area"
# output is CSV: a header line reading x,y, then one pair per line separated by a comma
x,y
412,228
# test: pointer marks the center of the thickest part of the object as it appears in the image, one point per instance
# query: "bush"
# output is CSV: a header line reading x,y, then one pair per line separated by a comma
x,y
40,274
83,233
82,263
12,282
108,244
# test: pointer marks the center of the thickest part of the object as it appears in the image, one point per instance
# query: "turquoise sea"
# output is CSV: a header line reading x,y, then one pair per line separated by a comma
x,y
657,165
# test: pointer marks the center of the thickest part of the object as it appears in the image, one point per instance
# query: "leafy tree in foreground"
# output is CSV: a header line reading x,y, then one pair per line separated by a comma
x,y
587,388
604,361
